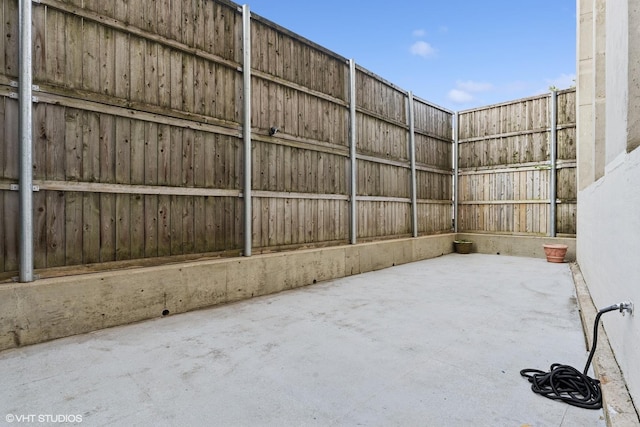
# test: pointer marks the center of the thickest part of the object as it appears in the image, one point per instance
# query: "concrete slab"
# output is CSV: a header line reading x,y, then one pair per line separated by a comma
x,y
432,343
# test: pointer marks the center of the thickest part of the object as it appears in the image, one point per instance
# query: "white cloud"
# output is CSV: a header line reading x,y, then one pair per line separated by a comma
x,y
419,33
422,48
471,86
459,96
563,81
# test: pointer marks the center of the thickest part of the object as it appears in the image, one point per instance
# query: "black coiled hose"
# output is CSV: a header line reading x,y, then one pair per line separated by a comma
x,y
566,383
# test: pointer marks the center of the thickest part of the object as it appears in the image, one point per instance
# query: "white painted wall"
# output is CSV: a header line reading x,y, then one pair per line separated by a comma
x,y
608,249
608,235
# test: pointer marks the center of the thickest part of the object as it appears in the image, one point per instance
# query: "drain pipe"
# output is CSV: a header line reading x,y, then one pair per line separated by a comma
x,y
246,88
26,149
554,166
352,151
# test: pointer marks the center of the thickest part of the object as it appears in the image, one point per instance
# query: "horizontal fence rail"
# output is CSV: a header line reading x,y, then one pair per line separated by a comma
x,y
138,138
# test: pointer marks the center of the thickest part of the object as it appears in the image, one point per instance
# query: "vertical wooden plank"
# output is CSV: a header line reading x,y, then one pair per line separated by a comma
x,y
108,58
210,223
186,156
91,201
135,130
176,212
73,144
90,56
188,226
175,32
187,22
121,11
122,147
163,156
199,180
198,23
11,39
164,225
210,155
55,47
73,228
40,232
149,140
176,80
187,179
55,202
122,67
3,43
150,16
137,227
108,216
38,53
176,179
164,75
163,17
208,24
74,51
199,90
151,79
137,58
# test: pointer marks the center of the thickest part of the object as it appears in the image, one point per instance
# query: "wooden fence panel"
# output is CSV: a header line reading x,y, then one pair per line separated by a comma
x,y
138,148
504,159
377,219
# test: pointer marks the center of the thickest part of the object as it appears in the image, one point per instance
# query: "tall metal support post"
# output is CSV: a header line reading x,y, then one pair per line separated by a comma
x,y
412,157
553,153
246,113
352,151
456,169
26,149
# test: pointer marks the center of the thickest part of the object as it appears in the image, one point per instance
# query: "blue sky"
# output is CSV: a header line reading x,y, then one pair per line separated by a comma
x,y
458,54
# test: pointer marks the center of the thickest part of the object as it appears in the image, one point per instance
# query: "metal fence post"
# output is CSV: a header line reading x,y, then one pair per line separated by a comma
x,y
412,156
246,85
456,169
352,150
26,149
553,143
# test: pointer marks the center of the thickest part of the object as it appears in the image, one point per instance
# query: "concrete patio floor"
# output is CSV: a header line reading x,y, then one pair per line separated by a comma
x,y
433,343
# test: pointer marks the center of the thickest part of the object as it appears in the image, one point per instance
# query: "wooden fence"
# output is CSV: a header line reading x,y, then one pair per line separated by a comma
x,y
505,167
138,149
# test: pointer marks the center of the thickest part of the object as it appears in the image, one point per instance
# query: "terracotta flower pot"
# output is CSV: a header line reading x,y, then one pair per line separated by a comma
x,y
555,252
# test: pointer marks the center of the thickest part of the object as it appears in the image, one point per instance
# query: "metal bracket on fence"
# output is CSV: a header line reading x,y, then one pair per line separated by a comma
x,y
16,187
14,95
15,83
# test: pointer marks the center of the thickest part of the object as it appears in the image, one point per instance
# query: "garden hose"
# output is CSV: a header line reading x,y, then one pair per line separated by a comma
x,y
566,383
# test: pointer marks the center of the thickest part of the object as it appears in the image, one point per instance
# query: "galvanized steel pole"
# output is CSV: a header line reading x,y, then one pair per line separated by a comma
x,y
553,143
412,156
456,154
352,149
246,90
26,149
